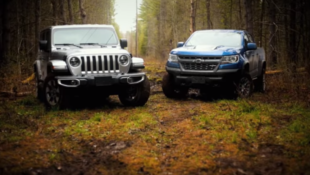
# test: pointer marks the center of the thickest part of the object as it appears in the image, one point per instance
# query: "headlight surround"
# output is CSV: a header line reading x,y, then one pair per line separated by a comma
x,y
173,58
75,62
124,60
230,59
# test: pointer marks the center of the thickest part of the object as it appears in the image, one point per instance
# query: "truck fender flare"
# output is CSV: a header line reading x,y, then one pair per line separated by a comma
x,y
36,68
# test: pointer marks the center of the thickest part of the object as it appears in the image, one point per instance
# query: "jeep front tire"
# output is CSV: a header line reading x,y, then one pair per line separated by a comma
x,y
54,95
136,95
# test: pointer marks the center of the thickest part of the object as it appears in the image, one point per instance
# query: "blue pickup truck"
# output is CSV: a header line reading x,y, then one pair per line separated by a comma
x,y
213,58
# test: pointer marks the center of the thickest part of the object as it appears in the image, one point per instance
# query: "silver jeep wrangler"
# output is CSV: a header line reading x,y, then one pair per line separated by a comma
x,y
82,59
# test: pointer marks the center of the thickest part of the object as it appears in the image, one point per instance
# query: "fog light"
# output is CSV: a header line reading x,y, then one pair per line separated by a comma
x,y
129,80
74,82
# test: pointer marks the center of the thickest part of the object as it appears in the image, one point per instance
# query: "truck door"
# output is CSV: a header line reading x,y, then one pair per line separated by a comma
x,y
254,59
249,54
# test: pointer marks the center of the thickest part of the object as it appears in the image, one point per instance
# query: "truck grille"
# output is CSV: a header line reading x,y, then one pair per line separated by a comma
x,y
199,66
195,57
100,64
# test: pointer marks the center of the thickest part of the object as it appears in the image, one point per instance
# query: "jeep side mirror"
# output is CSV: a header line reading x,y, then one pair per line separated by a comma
x,y
180,44
251,46
43,45
123,43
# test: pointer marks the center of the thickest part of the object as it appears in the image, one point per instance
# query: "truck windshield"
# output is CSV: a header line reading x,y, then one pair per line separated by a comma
x,y
99,36
214,38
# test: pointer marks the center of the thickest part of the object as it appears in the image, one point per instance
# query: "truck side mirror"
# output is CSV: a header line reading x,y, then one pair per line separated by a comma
x,y
123,43
251,46
43,45
180,44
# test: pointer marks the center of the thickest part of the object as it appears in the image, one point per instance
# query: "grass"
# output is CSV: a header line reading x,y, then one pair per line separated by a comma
x,y
257,135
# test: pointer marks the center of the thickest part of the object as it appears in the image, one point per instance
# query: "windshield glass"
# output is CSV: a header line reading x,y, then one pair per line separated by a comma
x,y
104,36
215,38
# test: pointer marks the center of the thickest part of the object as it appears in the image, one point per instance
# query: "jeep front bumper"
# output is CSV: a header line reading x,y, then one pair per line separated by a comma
x,y
100,80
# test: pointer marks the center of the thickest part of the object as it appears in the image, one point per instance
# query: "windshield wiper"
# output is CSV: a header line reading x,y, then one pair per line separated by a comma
x,y
69,44
93,44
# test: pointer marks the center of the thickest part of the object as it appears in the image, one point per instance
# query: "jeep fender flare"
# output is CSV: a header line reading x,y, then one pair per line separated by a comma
x,y
37,69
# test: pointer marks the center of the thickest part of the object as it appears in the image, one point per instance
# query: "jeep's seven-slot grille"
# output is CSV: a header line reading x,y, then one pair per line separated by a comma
x,y
99,64
203,58
199,66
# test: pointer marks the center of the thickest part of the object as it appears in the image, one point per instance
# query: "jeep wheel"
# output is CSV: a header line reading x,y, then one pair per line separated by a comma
x,y
39,90
54,95
171,90
245,86
136,95
260,84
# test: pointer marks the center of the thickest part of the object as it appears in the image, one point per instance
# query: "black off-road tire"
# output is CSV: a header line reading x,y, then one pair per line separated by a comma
x,y
260,83
171,90
136,95
55,96
244,86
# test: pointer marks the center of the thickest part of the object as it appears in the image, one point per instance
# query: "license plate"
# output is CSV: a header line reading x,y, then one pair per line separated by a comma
x,y
103,81
198,80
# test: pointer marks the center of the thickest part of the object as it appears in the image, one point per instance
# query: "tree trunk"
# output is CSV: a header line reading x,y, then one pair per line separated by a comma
x,y
55,16
261,23
193,15
209,22
62,12
5,32
71,17
248,16
82,12
37,23
272,33
293,48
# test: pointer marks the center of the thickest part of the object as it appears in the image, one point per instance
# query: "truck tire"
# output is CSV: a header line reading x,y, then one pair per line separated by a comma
x,y
39,89
244,86
54,95
171,90
136,95
260,83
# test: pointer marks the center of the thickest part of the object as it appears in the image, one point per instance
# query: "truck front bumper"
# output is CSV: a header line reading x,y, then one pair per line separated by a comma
x,y
192,78
93,80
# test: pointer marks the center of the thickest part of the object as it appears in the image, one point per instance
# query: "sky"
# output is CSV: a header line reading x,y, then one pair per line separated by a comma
x,y
126,14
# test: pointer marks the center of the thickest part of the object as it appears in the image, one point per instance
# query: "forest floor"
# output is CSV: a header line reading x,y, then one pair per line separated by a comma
x,y
266,134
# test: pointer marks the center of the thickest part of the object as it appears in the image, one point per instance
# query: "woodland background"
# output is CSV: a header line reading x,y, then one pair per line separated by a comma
x,y
281,27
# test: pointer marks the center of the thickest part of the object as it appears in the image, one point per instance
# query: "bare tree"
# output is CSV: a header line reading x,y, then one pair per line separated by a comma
x,y
248,15
193,17
82,12
209,22
37,22
62,12
71,17
55,16
272,32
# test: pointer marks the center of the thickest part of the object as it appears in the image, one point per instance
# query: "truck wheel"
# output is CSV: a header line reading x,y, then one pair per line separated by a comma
x,y
54,95
245,86
260,84
39,90
136,95
171,90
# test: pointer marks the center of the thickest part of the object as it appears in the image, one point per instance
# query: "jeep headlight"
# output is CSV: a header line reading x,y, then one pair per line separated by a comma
x,y
173,58
75,62
124,60
230,59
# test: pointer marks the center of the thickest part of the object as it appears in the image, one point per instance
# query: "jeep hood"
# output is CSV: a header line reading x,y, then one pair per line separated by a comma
x,y
206,50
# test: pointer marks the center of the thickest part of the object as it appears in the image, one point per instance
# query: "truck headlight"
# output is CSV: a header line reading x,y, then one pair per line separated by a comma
x,y
230,59
124,60
75,62
173,58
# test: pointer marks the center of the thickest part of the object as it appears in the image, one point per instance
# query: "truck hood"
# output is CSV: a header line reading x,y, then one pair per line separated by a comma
x,y
62,52
206,50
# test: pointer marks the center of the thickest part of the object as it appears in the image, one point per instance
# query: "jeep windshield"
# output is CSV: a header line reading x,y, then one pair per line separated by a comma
x,y
85,36
215,38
